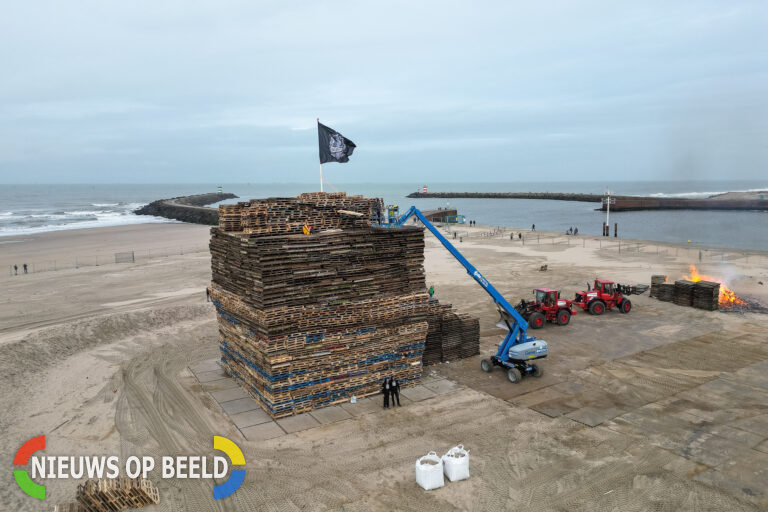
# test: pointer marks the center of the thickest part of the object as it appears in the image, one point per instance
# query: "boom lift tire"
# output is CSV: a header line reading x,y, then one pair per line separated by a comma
x,y
563,317
597,308
486,366
536,320
514,375
537,372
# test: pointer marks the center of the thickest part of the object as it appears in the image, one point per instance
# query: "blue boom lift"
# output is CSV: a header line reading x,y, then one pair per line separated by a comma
x,y
517,350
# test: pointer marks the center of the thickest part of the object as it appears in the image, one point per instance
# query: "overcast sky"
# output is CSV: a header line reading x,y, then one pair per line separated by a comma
x,y
223,91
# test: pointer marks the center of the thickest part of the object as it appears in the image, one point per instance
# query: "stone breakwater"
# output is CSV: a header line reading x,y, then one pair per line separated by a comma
x,y
557,196
622,203
187,208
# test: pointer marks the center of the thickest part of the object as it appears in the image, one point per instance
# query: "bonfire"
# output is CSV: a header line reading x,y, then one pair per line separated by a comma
x,y
727,297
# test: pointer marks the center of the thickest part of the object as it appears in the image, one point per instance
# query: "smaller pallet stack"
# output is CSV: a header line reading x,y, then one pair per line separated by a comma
x,y
68,507
656,280
706,295
683,293
450,336
470,336
112,495
433,347
451,330
665,292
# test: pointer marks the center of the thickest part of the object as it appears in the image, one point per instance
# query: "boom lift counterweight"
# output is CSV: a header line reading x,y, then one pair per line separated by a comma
x,y
517,350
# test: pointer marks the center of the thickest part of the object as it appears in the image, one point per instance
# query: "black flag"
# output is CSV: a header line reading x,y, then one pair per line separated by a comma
x,y
334,147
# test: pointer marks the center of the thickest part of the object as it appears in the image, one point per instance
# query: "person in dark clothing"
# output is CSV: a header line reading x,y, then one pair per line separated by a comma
x,y
575,231
15,270
395,391
533,227
520,236
207,295
385,389
25,268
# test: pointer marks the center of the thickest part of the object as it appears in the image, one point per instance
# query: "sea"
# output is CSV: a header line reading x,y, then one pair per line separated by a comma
x,y
31,209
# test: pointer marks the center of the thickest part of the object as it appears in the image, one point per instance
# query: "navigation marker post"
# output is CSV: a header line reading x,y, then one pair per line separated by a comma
x,y
608,201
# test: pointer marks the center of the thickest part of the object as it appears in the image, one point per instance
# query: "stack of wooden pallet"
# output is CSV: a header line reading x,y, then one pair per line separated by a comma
x,y
665,292
306,321
326,267
656,280
706,295
683,294
470,335
450,335
112,495
285,215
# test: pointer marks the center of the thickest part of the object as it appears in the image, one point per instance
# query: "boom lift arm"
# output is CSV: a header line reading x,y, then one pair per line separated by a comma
x,y
517,348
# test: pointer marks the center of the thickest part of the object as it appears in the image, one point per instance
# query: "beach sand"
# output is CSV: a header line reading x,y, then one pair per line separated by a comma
x,y
663,408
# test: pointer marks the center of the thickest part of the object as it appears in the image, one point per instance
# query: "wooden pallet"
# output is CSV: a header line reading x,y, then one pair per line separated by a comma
x,y
287,215
115,494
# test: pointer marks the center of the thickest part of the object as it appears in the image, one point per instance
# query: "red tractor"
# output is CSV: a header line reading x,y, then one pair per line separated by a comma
x,y
605,295
547,306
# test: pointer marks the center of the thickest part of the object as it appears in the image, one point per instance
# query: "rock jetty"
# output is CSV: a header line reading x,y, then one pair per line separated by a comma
x,y
187,208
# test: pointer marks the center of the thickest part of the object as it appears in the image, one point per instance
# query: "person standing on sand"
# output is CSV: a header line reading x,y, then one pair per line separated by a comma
x,y
207,295
533,227
385,391
15,270
575,231
431,291
25,268
395,391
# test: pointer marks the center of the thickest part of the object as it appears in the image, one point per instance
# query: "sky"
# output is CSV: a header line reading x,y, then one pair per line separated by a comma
x,y
489,91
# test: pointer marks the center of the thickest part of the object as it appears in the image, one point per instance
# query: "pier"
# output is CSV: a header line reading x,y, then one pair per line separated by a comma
x,y
622,204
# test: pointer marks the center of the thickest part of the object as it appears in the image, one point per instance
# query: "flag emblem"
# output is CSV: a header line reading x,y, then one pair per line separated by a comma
x,y
334,147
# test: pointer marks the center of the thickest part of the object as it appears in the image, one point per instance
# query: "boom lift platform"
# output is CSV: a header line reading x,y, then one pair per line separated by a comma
x,y
517,351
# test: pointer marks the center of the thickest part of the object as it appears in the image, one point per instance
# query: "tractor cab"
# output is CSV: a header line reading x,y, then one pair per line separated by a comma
x,y
604,287
547,297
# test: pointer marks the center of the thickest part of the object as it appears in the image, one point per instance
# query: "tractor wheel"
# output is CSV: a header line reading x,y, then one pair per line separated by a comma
x,y
486,365
597,307
563,317
537,372
625,306
536,320
514,375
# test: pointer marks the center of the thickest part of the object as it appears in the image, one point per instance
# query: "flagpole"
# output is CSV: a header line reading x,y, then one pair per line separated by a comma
x,y
321,163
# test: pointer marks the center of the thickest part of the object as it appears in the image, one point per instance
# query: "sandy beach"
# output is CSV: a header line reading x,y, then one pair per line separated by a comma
x,y
663,408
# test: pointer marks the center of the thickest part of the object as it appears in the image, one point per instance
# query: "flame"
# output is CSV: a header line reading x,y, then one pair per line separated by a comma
x,y
727,296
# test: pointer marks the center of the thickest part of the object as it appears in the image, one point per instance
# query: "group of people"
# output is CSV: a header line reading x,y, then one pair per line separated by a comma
x,y
16,269
519,235
390,388
572,231
472,223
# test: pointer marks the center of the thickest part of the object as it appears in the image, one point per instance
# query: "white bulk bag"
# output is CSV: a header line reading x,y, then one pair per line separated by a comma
x,y
429,472
456,463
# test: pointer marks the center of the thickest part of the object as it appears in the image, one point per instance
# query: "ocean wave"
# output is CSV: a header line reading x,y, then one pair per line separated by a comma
x,y
106,204
6,214
101,222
